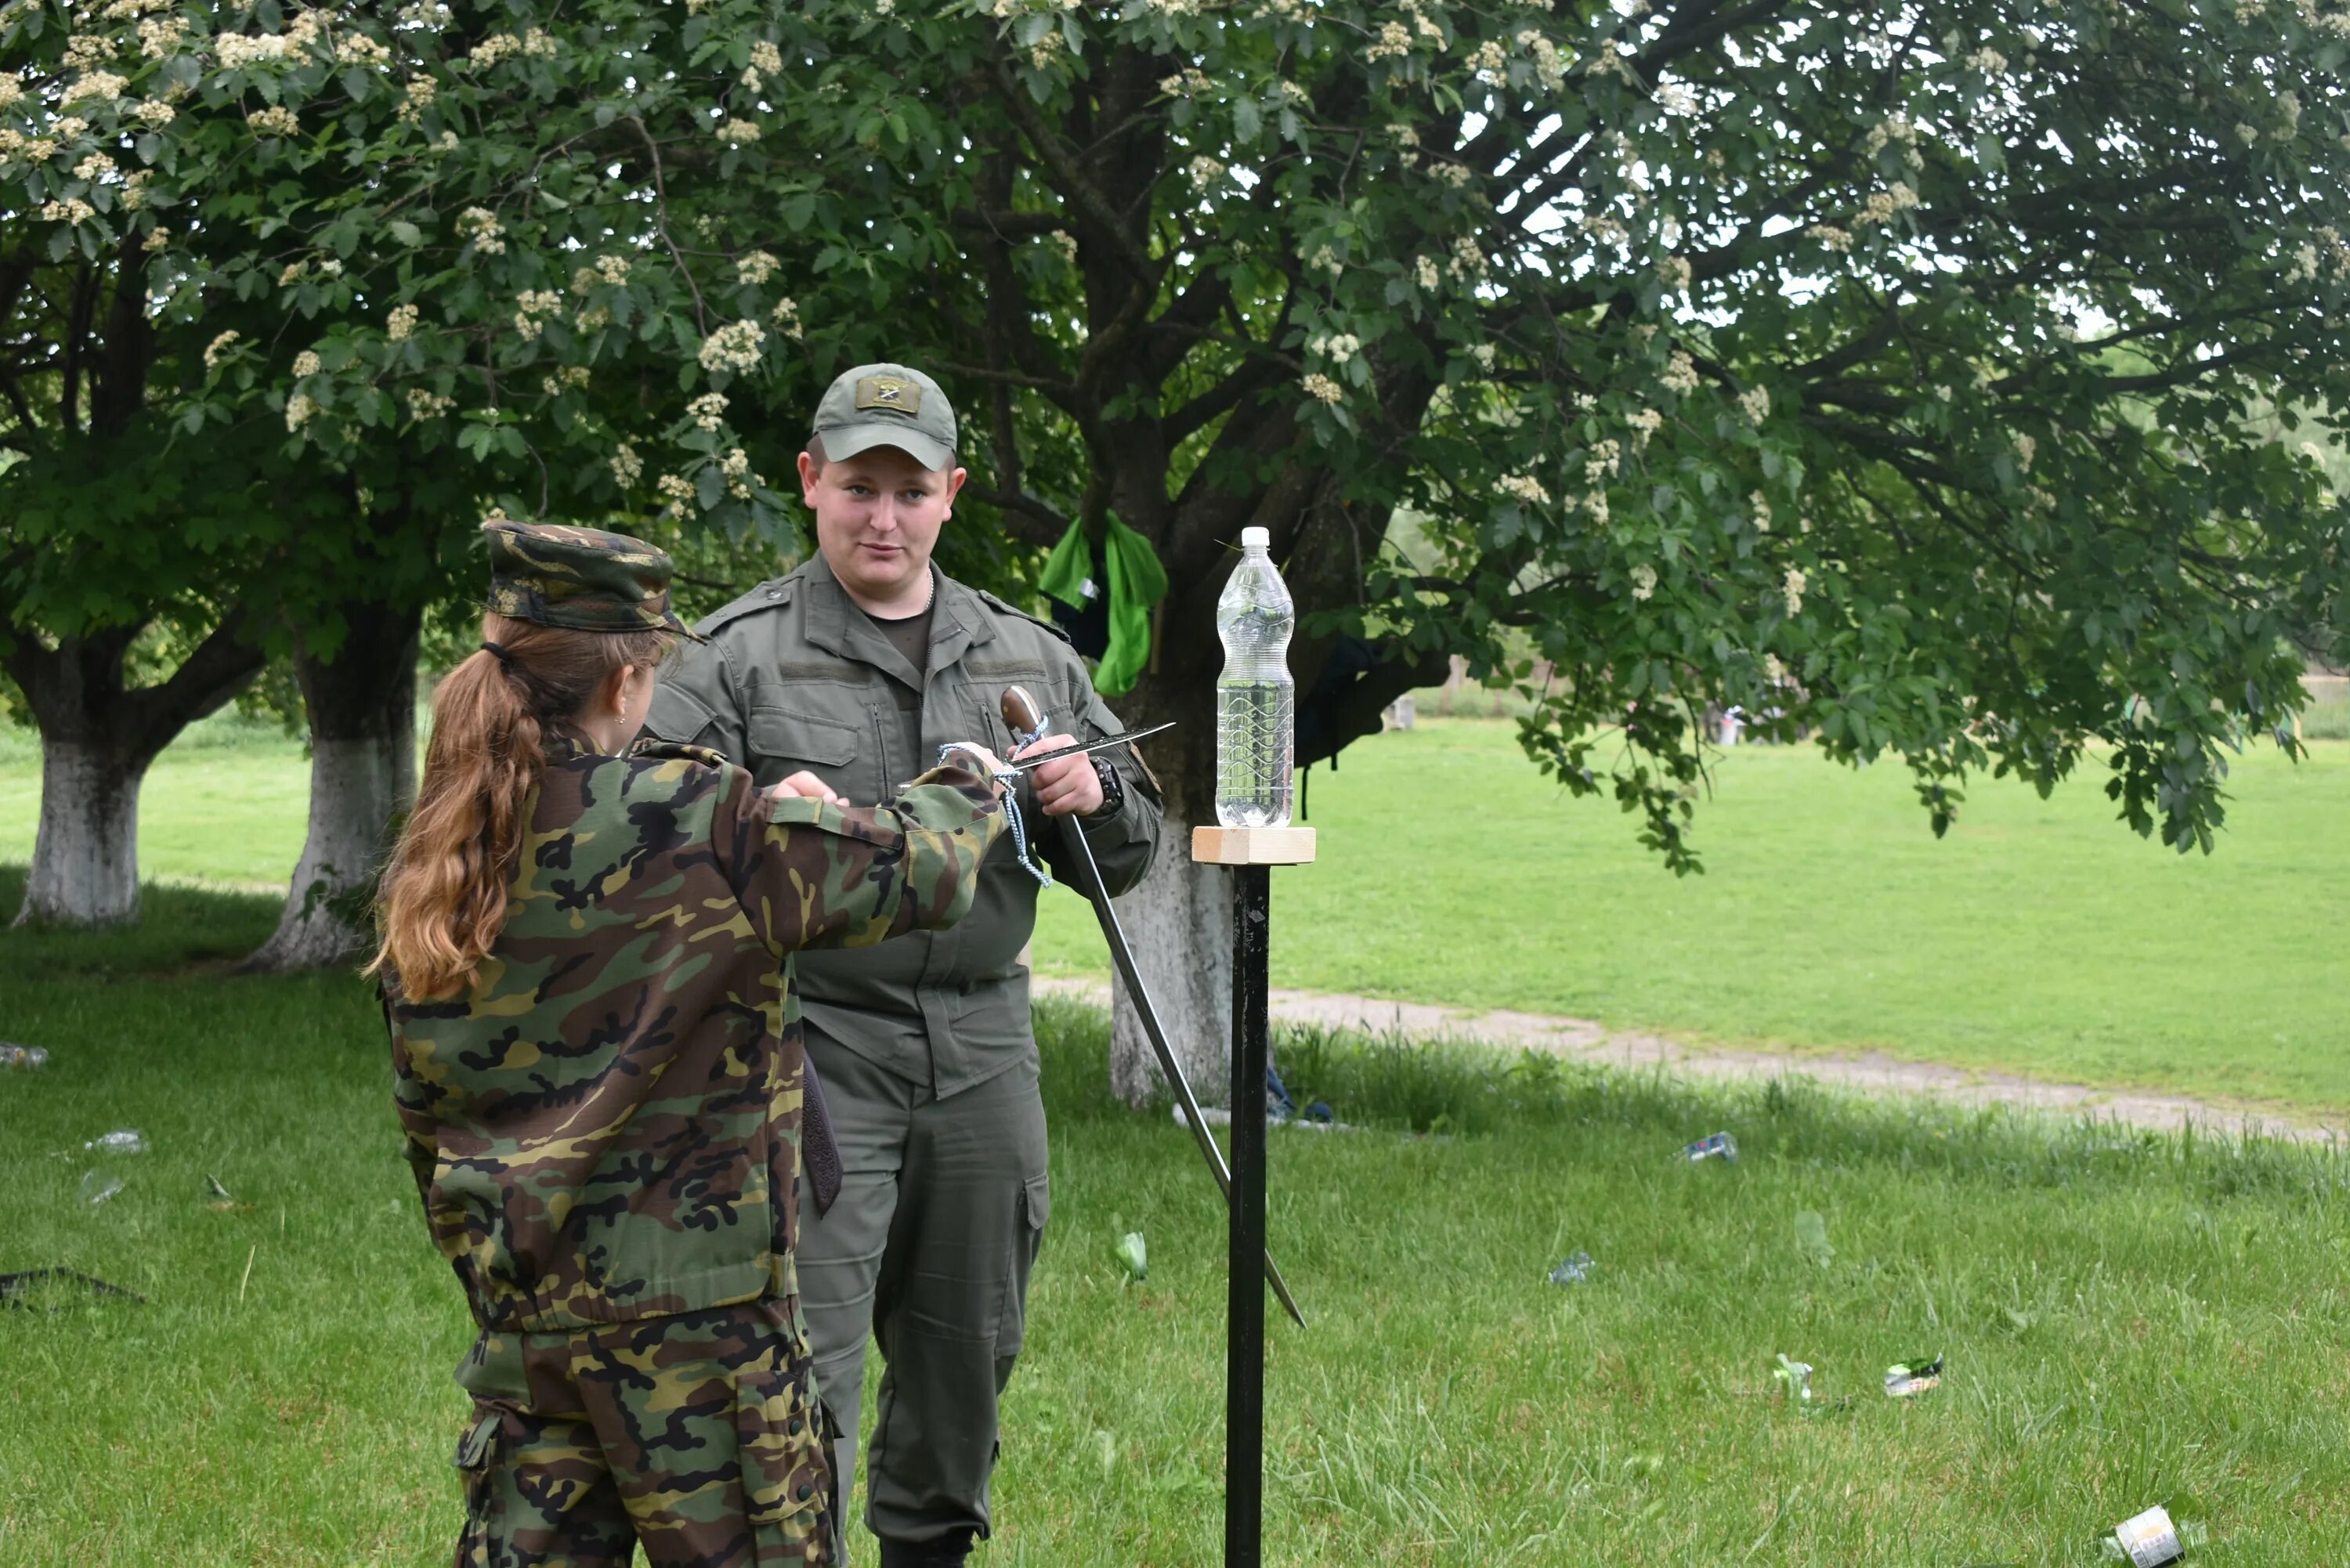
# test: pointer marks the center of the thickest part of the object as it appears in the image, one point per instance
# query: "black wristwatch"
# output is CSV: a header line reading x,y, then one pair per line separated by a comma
x,y
1113,789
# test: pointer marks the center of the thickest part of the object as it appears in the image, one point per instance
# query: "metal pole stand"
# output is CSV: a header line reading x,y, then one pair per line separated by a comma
x,y
1253,852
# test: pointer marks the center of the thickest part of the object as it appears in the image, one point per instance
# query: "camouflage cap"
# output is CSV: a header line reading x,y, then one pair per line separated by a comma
x,y
584,579
886,405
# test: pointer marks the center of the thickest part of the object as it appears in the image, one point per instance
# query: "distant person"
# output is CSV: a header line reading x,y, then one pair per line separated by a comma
x,y
586,972
855,668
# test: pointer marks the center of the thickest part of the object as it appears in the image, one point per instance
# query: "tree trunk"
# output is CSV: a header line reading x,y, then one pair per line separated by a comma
x,y
1180,923
362,712
86,853
98,736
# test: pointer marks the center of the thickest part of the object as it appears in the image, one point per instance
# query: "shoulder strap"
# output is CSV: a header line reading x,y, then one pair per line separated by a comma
x,y
998,603
773,595
660,750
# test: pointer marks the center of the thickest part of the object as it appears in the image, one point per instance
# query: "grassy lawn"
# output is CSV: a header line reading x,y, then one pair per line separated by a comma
x,y
2128,1319
2040,936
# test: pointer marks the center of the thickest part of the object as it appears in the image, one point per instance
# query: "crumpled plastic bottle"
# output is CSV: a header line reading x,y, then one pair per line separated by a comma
x,y
24,1057
121,1140
1720,1146
1572,1270
97,1185
1134,1254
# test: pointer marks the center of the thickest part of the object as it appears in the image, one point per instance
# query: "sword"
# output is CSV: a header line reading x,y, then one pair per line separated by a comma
x,y
1022,764
1024,717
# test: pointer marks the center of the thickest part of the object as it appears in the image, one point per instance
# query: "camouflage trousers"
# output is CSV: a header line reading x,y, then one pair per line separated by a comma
x,y
698,1436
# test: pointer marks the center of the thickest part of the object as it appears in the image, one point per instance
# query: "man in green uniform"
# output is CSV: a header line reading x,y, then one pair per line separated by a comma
x,y
858,667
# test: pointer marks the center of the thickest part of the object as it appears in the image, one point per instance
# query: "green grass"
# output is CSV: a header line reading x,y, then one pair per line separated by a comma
x,y
2130,1319
2040,937
225,803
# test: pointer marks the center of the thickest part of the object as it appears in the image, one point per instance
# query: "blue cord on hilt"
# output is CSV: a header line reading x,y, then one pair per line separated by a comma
x,y
1012,809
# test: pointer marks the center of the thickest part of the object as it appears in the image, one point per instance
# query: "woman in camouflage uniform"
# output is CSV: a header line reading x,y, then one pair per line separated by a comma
x,y
588,978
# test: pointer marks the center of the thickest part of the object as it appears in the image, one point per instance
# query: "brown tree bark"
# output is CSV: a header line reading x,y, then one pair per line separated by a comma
x,y
362,712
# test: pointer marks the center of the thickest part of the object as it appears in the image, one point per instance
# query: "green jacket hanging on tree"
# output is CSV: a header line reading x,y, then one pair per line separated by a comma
x,y
1136,582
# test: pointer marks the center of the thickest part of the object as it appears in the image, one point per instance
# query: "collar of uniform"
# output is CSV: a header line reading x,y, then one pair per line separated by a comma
x,y
835,624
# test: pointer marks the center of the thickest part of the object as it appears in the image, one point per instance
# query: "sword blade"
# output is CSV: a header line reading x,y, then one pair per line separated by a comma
x,y
1023,764
1123,957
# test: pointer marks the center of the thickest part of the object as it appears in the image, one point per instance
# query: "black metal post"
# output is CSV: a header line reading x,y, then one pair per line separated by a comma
x,y
1245,1363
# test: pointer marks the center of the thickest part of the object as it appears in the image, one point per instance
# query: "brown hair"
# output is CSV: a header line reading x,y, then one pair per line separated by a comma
x,y
443,898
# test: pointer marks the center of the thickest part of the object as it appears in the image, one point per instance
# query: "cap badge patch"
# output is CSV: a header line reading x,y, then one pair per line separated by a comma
x,y
892,392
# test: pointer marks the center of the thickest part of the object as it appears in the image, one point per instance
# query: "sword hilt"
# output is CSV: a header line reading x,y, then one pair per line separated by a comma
x,y
1023,715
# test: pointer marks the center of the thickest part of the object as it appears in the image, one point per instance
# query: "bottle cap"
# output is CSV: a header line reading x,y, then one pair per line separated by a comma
x,y
1256,538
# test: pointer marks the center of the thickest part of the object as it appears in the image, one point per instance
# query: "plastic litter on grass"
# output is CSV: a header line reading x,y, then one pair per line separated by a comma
x,y
1573,1271
1720,1147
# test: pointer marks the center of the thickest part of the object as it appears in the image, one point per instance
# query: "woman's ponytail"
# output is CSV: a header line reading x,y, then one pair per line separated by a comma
x,y
443,900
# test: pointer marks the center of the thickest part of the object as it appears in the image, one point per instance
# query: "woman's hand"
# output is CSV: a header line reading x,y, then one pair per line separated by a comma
x,y
805,786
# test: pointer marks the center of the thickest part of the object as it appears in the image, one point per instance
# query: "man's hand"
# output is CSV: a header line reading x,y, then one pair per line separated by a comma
x,y
1069,787
805,786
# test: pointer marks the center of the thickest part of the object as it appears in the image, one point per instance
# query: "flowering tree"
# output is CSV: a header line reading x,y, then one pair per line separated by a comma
x,y
419,266
124,603
1885,369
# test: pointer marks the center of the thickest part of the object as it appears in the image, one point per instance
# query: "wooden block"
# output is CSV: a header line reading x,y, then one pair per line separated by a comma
x,y
1253,845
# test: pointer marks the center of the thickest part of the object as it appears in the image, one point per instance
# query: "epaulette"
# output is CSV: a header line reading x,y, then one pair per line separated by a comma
x,y
776,594
996,601
676,751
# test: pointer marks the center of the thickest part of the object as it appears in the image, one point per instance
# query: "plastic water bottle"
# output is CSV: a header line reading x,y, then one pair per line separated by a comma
x,y
1256,701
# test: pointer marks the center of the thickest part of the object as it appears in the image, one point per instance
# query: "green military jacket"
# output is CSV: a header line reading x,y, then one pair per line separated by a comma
x,y
605,1126
794,677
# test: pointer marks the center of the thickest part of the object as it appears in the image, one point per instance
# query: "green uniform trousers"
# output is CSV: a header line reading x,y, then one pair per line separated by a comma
x,y
697,1435
927,1249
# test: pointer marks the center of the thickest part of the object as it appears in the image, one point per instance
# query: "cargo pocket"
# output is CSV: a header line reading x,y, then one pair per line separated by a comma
x,y
1027,1239
477,1460
787,1468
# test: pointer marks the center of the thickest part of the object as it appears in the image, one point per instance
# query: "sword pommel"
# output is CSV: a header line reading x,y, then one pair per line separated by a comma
x,y
1023,715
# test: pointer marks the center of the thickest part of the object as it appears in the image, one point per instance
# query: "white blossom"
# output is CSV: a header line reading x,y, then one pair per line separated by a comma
x,y
1524,487
399,323
1643,581
626,466
426,404
1680,374
755,268
1322,388
1755,403
736,348
218,347
738,133
93,84
306,363
300,410
481,227
708,410
1793,586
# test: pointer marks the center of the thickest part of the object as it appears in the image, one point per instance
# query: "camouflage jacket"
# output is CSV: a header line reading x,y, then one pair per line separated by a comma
x,y
606,1126
795,676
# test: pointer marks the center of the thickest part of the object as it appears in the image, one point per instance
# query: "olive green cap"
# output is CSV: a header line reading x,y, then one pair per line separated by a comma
x,y
583,579
886,405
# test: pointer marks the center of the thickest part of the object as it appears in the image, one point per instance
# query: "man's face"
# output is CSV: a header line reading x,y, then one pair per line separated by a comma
x,y
877,516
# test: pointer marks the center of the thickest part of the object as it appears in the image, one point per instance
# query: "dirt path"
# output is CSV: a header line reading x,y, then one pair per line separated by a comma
x,y
1871,1074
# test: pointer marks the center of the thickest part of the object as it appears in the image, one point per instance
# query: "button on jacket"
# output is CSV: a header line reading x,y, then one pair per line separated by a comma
x,y
795,676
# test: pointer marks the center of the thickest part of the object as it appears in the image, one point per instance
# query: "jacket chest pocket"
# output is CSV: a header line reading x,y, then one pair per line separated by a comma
x,y
987,708
844,754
